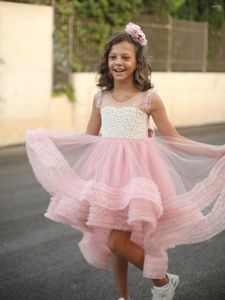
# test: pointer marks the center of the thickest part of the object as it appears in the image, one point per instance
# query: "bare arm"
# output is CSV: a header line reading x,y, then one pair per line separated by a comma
x,y
165,127
94,123
159,115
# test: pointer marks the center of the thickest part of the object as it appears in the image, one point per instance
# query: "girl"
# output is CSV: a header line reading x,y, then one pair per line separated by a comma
x,y
132,194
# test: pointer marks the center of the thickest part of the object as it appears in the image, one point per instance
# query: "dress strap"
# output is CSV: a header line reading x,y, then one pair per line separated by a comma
x,y
148,99
98,99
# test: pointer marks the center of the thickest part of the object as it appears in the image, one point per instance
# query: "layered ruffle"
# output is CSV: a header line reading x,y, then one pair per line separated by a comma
x,y
153,187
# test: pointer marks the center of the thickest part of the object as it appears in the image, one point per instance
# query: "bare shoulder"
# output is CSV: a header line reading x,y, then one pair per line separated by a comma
x,y
160,117
156,102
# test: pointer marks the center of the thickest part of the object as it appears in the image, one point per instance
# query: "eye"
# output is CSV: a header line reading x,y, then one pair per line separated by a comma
x,y
126,57
112,57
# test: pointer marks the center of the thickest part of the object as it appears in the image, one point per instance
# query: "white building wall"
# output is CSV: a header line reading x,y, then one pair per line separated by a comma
x,y
25,68
190,98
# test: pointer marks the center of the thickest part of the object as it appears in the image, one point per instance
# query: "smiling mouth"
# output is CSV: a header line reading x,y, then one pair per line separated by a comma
x,y
118,71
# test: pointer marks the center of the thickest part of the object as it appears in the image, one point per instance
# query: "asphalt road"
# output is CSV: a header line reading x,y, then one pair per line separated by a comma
x,y
40,259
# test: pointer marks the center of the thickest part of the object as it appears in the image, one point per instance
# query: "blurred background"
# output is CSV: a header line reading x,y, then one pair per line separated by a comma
x,y
49,52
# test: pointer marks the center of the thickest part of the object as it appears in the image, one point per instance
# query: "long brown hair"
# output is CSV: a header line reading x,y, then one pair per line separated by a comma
x,y
142,74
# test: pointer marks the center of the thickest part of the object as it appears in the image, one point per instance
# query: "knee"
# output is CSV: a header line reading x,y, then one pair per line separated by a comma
x,y
117,241
113,242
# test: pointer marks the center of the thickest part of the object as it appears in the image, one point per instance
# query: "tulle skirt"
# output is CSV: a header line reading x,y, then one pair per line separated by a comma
x,y
166,191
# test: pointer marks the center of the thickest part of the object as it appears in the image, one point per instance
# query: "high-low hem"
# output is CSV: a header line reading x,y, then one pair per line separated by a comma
x,y
148,198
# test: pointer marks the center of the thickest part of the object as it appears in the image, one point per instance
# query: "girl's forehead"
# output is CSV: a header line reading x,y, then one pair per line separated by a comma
x,y
123,47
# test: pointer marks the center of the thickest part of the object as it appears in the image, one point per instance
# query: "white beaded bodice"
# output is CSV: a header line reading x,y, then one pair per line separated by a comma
x,y
124,122
128,119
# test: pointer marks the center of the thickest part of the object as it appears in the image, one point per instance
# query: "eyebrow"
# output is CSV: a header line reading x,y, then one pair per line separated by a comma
x,y
125,53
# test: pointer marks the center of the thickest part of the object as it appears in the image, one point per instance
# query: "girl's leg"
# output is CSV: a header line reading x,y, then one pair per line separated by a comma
x,y
119,243
120,266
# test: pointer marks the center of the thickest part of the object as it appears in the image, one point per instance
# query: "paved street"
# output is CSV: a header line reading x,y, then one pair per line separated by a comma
x,y
40,259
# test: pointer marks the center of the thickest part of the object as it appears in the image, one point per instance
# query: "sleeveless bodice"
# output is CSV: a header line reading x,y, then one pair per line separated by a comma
x,y
124,119
124,122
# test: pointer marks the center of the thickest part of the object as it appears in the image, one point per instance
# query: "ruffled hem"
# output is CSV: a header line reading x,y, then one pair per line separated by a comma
x,y
158,217
81,202
205,204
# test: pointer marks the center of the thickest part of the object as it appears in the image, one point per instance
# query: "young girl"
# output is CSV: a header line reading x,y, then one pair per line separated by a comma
x,y
132,194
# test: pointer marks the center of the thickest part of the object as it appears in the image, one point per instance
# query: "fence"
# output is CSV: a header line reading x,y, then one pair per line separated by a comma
x,y
177,45
174,45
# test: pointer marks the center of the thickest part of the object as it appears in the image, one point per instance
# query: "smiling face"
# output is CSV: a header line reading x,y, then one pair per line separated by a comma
x,y
122,61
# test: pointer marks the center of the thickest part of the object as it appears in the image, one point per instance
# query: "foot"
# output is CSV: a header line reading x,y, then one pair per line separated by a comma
x,y
124,298
166,292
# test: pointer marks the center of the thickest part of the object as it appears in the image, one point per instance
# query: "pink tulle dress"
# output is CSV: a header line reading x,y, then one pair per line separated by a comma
x,y
166,191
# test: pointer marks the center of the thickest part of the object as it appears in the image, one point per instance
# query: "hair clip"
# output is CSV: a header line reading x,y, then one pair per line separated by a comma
x,y
136,33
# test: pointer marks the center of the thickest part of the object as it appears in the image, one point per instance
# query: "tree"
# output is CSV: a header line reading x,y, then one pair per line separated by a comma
x,y
94,22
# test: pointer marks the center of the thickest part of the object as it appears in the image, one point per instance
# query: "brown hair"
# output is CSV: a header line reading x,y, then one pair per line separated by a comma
x,y
142,74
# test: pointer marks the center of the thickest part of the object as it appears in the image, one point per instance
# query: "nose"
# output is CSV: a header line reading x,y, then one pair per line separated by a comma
x,y
118,61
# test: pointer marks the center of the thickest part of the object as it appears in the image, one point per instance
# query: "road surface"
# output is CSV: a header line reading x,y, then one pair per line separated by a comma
x,y
40,259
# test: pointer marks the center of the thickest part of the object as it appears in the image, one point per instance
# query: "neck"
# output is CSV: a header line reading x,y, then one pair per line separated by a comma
x,y
124,86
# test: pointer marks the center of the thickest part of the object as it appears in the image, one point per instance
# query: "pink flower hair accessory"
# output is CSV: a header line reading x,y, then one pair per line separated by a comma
x,y
136,33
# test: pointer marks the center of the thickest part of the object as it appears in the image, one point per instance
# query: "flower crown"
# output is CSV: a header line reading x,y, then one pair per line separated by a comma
x,y
136,33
